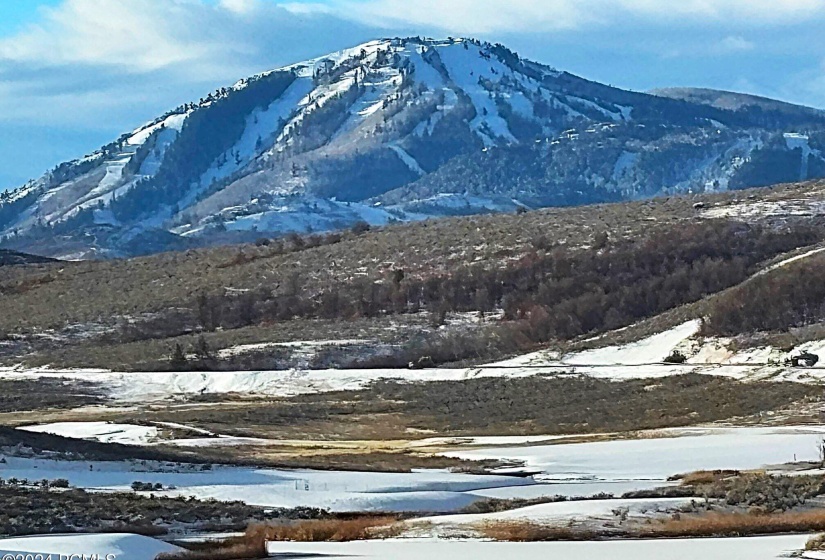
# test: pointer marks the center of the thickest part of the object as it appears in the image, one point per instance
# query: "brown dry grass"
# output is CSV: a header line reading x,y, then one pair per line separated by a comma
x,y
737,524
706,525
327,530
527,531
231,549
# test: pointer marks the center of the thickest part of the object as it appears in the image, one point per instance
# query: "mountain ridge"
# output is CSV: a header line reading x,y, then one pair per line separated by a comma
x,y
725,99
396,130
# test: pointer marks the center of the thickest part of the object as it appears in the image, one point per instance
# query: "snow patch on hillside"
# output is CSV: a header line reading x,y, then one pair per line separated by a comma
x,y
172,122
653,349
466,67
796,141
646,352
408,160
758,209
104,432
623,164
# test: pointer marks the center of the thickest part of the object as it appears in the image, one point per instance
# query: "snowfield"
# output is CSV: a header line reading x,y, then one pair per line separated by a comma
x,y
121,546
657,455
755,548
559,513
155,386
420,491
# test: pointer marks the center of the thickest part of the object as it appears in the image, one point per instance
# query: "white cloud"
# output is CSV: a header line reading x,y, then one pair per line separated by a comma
x,y
483,16
471,16
240,6
141,35
203,38
744,11
104,54
307,7
733,44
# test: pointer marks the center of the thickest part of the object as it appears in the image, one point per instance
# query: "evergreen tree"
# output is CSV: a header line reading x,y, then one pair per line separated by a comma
x,y
202,350
178,361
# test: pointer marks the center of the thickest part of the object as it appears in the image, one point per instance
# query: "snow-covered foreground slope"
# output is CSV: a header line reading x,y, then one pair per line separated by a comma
x,y
113,546
423,491
755,548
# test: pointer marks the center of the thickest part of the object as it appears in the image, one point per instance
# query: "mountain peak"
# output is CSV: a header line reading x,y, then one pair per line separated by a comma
x,y
392,129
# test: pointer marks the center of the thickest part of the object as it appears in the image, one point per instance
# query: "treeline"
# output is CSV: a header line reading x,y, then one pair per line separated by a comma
x,y
555,292
791,296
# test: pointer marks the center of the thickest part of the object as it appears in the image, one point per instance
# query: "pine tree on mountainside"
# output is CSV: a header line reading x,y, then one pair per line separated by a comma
x,y
178,361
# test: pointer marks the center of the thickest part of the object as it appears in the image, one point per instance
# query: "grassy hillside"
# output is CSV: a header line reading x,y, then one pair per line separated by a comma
x,y
450,290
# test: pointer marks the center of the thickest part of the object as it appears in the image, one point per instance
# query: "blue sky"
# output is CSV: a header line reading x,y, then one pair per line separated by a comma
x,y
16,14
74,74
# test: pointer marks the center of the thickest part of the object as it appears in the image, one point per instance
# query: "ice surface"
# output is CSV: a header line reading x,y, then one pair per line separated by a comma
x,y
753,548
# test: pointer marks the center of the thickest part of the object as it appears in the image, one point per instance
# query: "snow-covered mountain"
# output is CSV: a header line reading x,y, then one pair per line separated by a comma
x,y
398,129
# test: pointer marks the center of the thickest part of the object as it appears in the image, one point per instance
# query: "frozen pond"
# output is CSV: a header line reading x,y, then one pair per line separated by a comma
x,y
638,463
421,491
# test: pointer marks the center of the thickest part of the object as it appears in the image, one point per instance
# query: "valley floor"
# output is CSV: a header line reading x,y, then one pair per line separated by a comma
x,y
595,444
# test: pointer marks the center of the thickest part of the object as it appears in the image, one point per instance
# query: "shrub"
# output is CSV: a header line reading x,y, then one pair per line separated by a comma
x,y
360,227
816,543
703,477
768,492
600,240
139,486
676,357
